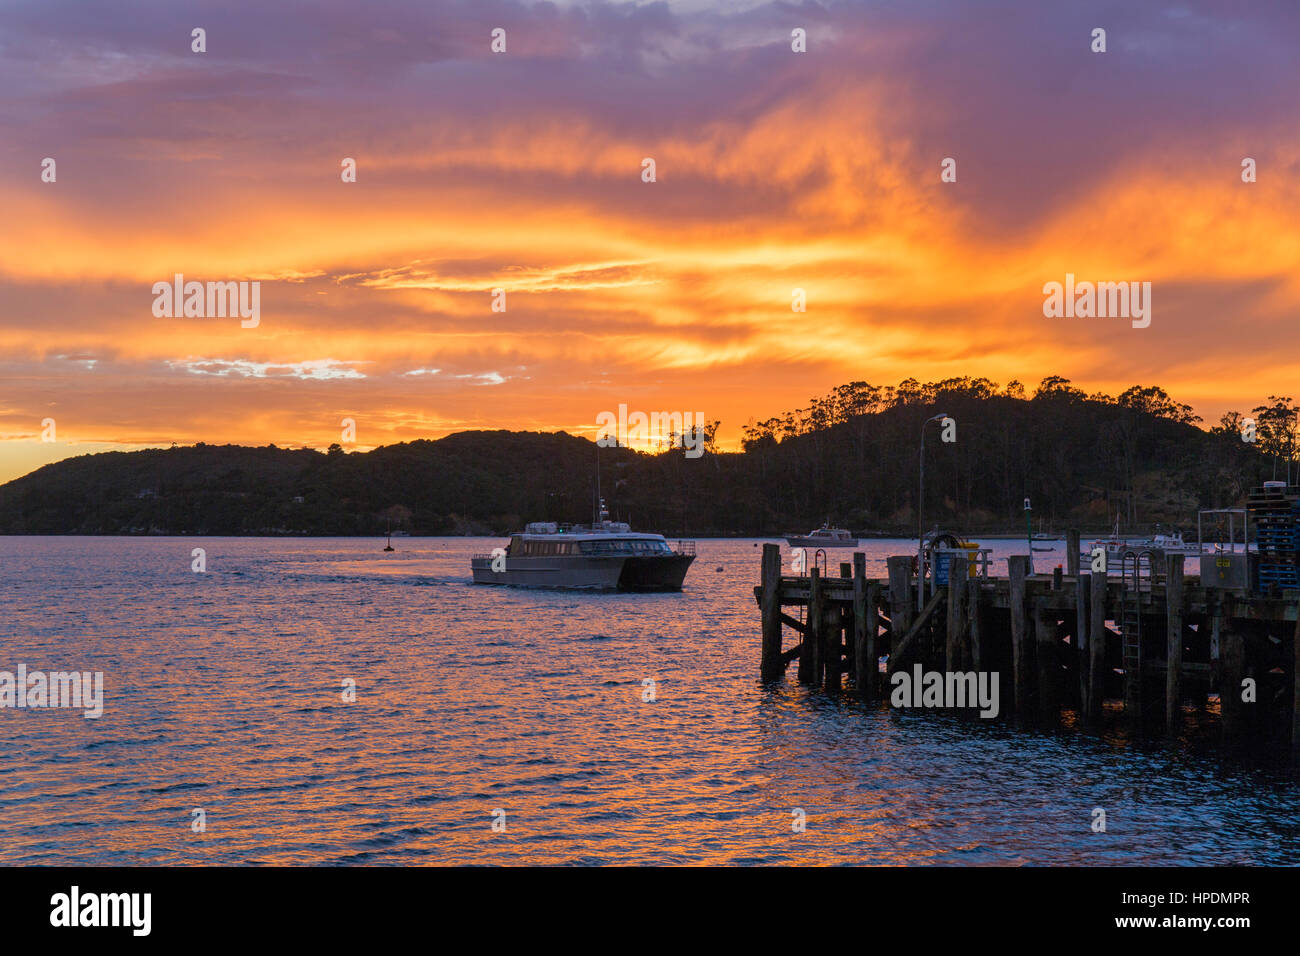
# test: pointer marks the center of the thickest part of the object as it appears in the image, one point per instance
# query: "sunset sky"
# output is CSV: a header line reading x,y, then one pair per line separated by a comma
x,y
523,171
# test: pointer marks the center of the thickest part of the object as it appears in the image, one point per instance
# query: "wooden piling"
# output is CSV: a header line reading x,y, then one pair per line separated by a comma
x,y
1295,689
1234,671
956,632
1082,633
813,639
1096,647
772,665
1045,651
976,655
1174,643
872,656
1076,572
864,622
846,569
832,646
1017,570
1216,644
901,601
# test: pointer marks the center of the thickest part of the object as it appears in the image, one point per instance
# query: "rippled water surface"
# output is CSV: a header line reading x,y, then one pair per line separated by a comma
x,y
224,693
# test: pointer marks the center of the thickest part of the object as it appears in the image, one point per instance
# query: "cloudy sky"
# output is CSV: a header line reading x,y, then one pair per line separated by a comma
x,y
775,170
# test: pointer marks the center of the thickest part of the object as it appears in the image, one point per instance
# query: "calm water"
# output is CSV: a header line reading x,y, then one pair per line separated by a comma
x,y
224,693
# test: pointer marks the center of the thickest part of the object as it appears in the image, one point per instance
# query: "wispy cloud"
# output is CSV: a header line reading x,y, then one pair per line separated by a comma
x,y
320,369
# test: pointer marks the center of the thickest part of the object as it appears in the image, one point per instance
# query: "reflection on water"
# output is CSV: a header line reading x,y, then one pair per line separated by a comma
x,y
223,691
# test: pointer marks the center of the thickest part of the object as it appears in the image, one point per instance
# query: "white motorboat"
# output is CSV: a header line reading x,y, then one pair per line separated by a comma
x,y
1158,544
823,537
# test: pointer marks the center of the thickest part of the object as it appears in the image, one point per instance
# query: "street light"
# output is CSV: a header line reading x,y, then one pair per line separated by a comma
x,y
920,522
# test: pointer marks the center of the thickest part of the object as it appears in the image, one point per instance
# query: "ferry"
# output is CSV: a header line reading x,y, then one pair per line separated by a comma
x,y
604,556
823,537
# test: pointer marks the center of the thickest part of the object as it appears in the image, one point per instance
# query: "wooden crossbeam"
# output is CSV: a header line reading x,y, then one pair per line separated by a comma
x,y
794,623
899,656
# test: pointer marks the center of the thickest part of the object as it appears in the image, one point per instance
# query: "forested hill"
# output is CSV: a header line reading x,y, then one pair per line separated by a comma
x,y
850,458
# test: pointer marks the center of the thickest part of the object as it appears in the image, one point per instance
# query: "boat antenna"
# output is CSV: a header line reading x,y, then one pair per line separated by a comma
x,y
1029,533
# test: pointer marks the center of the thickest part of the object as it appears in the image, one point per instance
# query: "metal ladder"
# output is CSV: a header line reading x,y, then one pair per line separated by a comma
x,y
1131,589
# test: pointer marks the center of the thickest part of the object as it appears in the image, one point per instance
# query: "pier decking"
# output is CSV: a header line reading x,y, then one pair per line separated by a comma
x,y
1061,641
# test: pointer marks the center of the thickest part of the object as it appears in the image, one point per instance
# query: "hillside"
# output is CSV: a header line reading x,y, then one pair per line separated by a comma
x,y
850,458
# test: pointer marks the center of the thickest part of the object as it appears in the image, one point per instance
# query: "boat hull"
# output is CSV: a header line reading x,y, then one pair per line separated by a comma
x,y
588,573
1117,551
802,541
664,572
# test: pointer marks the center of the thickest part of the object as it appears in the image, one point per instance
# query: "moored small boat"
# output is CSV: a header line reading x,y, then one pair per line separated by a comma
x,y
823,537
1159,544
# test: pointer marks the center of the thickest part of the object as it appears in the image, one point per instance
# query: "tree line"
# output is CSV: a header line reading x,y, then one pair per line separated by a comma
x,y
851,457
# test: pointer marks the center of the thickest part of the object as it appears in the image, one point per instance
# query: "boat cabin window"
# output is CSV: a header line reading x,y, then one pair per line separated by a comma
x,y
625,547
521,547
538,549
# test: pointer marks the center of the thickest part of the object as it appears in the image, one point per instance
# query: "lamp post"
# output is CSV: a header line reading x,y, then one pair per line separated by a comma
x,y
920,522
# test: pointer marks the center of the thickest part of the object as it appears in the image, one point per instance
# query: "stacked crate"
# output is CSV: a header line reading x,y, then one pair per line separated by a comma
x,y
1276,515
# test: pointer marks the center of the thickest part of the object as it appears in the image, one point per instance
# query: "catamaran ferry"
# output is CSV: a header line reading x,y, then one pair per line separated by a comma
x,y
605,556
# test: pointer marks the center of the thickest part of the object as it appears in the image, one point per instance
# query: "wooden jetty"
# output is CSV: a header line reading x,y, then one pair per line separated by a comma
x,y
1065,641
